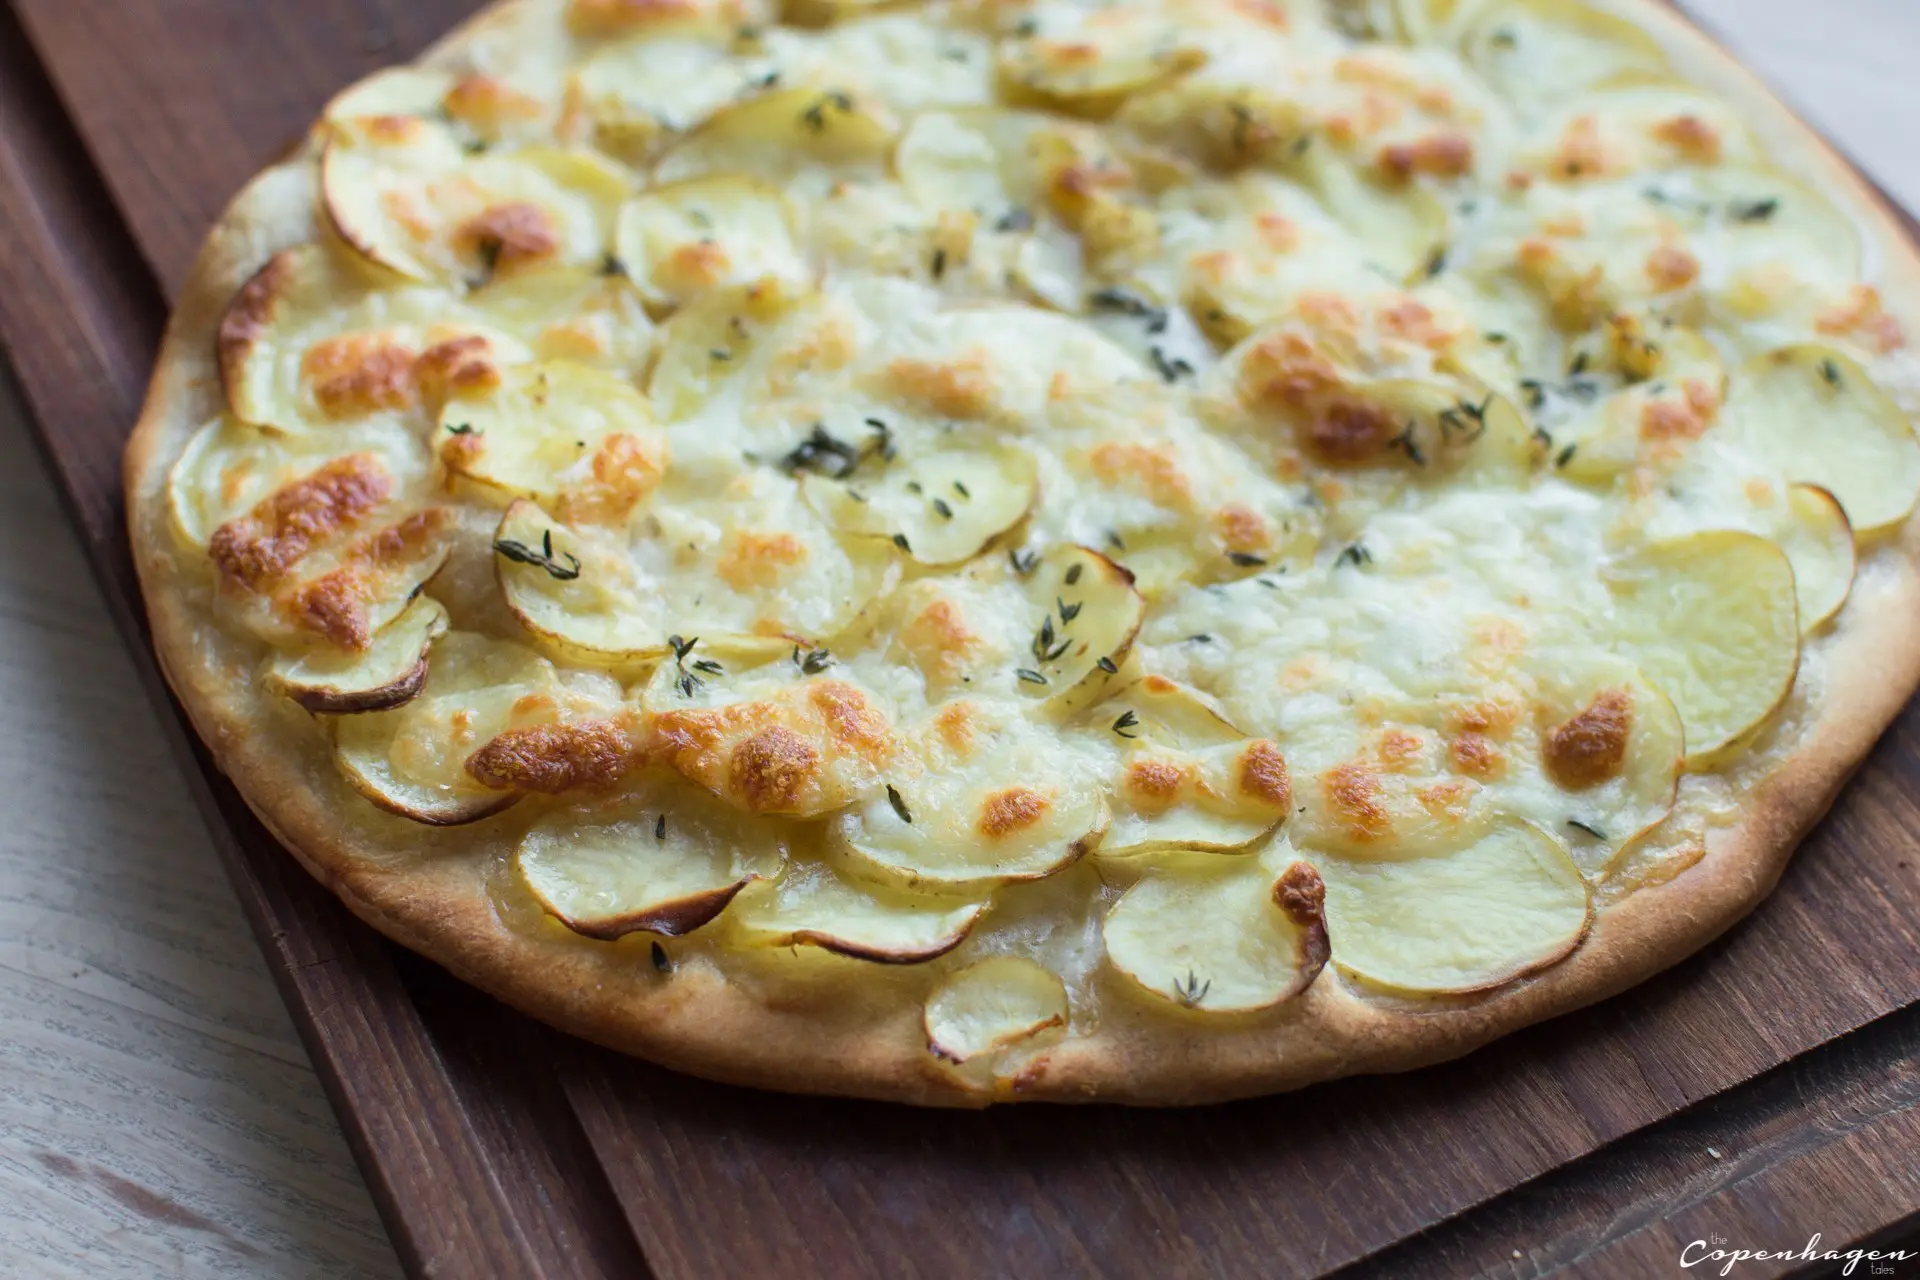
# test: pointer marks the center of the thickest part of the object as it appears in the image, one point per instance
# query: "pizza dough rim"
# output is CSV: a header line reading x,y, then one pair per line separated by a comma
x,y
697,1022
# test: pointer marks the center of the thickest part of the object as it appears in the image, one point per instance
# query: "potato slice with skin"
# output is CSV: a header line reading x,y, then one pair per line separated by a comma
x,y
1189,780
411,760
667,860
405,194
1510,904
707,341
390,672
1229,940
815,906
832,130
229,467
1817,417
1091,68
558,433
1711,619
571,592
940,508
1820,547
991,1005
1539,52
983,796
680,241
1613,744
1088,615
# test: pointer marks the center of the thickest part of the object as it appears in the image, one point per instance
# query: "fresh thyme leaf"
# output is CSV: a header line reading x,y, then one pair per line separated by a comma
x,y
1566,455
661,960
1247,560
1436,263
1128,721
961,489
900,541
681,648
520,553
823,453
1754,210
1587,827
1408,445
612,266
1068,612
1190,991
1169,370
707,666
899,804
660,828
1109,666
1073,574
463,429
938,267
1831,373
814,662
945,511
1200,637
720,354
1355,553
1024,560
1029,675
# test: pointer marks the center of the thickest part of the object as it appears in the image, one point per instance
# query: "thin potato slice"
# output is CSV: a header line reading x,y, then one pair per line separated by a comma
x,y
309,341
1088,614
1634,128
991,1005
1223,126
1613,747
1816,416
1228,940
1820,547
1539,52
638,96
583,315
1510,904
391,91
678,242
940,508
1404,229
708,341
1189,780
833,131
574,592
1090,68
668,860
389,672
411,760
228,467
406,195
557,433
1711,619
983,797
814,906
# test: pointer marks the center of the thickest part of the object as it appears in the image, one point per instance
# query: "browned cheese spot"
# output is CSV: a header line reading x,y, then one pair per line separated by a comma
x,y
1005,812
253,549
1264,775
1592,747
771,769
552,758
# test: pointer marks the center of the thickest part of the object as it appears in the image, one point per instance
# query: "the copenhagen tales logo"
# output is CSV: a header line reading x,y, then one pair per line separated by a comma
x,y
1714,1249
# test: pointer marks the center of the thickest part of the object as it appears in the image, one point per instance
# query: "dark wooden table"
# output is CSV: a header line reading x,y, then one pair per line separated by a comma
x,y
1760,1092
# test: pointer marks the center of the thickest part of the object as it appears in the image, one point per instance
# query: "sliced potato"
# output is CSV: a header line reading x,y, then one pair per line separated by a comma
x,y
1510,904
1611,742
583,315
637,96
1711,619
575,592
667,861
814,906
389,672
680,241
412,760
559,433
348,590
834,131
1088,614
228,468
1539,52
1223,126
1630,128
940,508
1091,67
984,796
709,339
1816,416
1226,940
391,91
1820,547
406,195
1403,229
1189,780
992,1004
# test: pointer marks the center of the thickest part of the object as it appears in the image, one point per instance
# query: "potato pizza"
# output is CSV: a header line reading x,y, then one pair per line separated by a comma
x,y
980,550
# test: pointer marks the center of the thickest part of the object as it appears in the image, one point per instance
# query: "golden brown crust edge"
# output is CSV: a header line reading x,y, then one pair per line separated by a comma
x,y
442,905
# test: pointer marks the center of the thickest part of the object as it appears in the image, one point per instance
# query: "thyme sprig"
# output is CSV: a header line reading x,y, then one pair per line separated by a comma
x,y
521,553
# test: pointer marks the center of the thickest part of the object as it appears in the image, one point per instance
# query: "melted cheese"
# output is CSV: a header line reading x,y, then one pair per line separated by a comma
x,y
1213,439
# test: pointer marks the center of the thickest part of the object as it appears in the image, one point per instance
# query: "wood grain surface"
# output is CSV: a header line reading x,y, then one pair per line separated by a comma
x,y
156,1115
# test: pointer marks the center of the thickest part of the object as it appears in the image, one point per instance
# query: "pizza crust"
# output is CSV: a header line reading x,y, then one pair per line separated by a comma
x,y
435,890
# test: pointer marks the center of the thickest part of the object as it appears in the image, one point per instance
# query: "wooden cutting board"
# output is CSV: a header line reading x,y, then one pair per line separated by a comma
x,y
1760,1092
